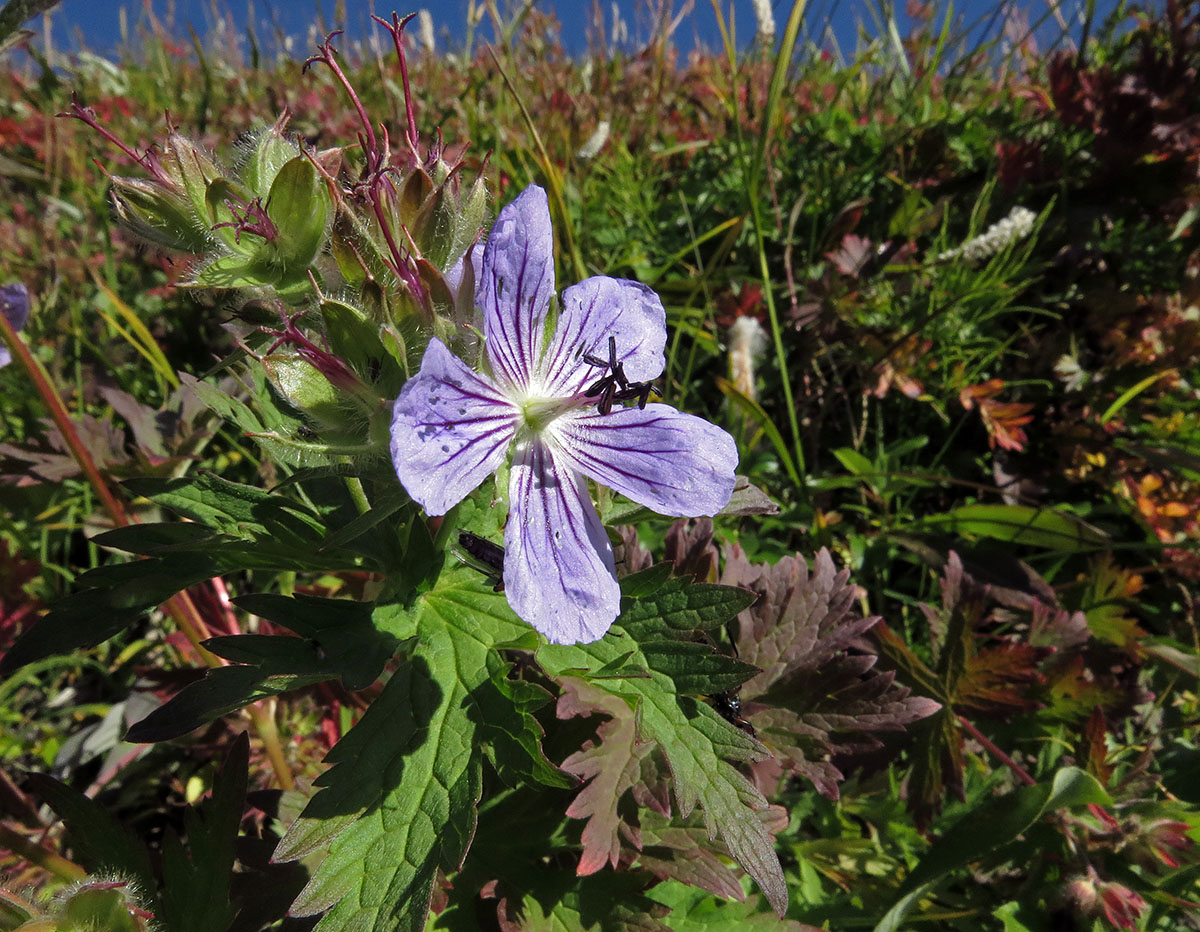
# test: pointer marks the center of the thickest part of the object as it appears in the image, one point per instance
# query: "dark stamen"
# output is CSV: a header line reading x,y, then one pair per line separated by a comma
x,y
639,390
613,385
606,398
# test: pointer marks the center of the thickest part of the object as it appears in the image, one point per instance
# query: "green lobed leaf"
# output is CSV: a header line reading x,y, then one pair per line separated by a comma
x,y
683,606
279,434
647,582
399,799
352,640
512,735
696,668
195,893
221,691
520,861
530,891
269,534
110,598
557,901
200,559
152,537
83,619
695,740
98,841
685,853
232,507
279,653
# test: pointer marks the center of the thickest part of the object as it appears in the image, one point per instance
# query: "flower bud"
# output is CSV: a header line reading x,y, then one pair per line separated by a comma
x,y
354,337
441,218
159,215
191,171
104,904
1081,894
298,207
102,907
308,388
1164,840
270,150
1122,906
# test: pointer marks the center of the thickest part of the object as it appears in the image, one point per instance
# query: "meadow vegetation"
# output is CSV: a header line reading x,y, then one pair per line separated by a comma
x,y
937,663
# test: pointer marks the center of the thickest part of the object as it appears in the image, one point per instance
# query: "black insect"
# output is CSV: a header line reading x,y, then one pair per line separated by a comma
x,y
728,705
614,385
484,556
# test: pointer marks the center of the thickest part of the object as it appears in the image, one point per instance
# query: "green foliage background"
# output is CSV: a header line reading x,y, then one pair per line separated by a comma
x,y
1002,449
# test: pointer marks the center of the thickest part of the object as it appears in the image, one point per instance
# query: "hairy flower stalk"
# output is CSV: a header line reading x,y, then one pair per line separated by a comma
x,y
549,398
996,238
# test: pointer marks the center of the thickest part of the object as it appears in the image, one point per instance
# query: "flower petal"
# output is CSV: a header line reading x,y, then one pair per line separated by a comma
x,y
516,284
558,563
14,305
672,462
450,430
594,310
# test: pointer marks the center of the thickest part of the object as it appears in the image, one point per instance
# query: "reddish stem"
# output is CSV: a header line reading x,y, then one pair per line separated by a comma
x,y
326,55
396,28
1008,762
34,853
148,160
62,420
180,606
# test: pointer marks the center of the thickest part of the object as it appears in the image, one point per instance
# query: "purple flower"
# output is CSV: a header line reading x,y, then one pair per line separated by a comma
x,y
452,427
14,305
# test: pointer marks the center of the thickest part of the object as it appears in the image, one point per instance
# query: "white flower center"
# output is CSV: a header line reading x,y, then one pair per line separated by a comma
x,y
538,413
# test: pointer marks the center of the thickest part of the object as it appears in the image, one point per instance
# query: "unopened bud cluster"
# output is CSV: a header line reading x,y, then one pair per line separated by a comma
x,y
360,252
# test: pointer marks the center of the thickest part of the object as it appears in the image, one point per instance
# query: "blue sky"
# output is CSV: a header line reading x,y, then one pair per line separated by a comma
x,y
98,21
